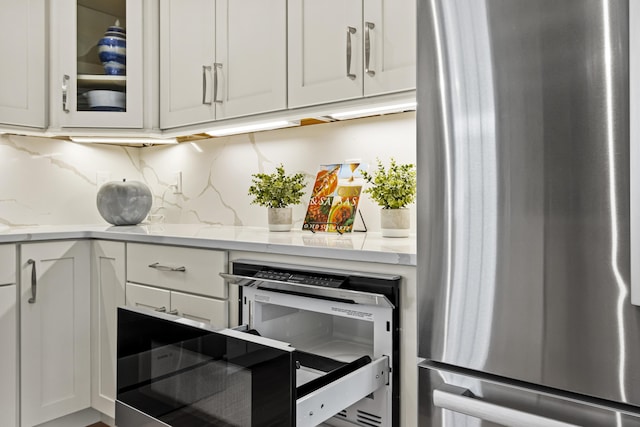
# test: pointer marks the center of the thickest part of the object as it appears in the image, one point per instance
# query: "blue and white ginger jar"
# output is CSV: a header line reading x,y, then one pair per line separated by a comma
x,y
112,50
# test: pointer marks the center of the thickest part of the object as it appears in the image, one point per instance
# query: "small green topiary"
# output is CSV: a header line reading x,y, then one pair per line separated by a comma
x,y
393,188
277,190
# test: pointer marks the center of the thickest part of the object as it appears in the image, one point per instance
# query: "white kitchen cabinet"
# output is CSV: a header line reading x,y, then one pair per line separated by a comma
x,y
55,330
194,307
391,26
9,337
107,293
251,50
75,68
187,56
23,74
221,59
347,49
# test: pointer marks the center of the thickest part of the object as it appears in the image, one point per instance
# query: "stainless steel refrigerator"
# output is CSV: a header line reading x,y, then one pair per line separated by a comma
x,y
524,253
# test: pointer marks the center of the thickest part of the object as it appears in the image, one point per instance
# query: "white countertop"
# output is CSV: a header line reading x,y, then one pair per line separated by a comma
x,y
356,246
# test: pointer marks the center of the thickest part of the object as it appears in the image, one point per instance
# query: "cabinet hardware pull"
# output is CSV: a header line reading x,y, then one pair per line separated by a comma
x,y
160,267
216,65
65,89
350,30
367,48
205,68
34,283
163,309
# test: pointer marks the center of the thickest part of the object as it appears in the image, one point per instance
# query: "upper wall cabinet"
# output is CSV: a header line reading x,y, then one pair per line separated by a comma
x,y
346,49
221,59
22,76
96,64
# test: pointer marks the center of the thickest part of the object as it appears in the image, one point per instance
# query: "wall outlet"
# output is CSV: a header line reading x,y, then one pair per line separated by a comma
x,y
177,182
102,178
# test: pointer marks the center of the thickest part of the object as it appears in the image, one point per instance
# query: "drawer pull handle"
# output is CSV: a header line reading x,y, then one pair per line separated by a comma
x,y
367,48
160,267
163,309
34,282
350,30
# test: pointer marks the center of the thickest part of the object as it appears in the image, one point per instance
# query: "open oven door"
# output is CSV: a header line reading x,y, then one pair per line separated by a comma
x,y
177,372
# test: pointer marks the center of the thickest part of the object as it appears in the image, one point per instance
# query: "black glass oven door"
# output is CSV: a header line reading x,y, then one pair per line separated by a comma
x,y
187,375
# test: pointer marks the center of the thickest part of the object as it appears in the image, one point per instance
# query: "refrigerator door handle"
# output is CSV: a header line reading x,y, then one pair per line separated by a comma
x,y
462,400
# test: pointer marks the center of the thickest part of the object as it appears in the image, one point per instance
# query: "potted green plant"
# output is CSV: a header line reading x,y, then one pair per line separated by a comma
x,y
393,188
277,191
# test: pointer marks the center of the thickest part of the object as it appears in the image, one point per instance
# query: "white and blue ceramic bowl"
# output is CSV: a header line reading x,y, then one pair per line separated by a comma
x,y
112,50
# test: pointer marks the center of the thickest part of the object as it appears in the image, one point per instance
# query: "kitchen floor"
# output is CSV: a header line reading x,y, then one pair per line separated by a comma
x,y
98,425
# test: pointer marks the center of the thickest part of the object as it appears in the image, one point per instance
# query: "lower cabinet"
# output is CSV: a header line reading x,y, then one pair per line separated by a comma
x,y
194,307
107,293
9,334
55,330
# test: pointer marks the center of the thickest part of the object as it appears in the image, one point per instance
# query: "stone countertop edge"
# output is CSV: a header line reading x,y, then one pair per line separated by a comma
x,y
365,247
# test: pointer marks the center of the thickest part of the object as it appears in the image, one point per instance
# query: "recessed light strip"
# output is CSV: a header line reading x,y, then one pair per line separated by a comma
x,y
252,128
122,140
364,112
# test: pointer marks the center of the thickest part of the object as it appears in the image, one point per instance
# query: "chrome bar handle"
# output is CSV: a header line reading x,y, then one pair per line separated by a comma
x,y
215,82
350,30
161,267
163,309
463,401
367,48
205,68
34,281
65,93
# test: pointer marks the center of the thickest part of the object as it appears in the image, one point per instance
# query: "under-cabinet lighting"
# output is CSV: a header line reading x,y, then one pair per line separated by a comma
x,y
373,111
253,128
122,140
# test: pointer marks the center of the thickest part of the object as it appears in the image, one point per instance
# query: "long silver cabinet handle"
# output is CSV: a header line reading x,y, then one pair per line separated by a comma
x,y
34,281
65,93
215,82
161,267
205,68
350,30
462,400
163,309
367,48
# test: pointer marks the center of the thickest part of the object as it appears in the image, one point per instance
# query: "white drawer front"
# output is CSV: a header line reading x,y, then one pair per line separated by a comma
x,y
200,268
7,264
144,296
201,309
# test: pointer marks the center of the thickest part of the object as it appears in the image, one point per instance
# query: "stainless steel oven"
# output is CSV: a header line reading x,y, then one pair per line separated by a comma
x,y
315,346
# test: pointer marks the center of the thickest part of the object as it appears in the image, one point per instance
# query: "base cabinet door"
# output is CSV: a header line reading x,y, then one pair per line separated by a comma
x,y
107,293
8,356
55,330
9,337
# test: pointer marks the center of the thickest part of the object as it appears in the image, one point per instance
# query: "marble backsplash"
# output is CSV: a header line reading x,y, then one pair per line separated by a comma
x,y
45,181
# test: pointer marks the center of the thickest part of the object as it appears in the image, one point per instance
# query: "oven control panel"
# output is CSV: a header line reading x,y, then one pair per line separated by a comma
x,y
305,279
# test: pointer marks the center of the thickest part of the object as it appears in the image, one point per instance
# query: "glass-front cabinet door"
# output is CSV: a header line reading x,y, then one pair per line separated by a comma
x,y
96,78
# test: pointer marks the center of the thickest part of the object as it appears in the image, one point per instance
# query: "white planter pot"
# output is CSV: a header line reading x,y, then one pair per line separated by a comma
x,y
395,222
280,219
